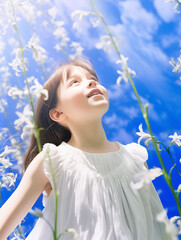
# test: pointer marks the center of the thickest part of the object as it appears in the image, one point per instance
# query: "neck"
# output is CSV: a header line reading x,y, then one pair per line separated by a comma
x,y
89,136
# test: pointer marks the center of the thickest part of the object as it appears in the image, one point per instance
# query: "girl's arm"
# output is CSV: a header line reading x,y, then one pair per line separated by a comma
x,y
23,198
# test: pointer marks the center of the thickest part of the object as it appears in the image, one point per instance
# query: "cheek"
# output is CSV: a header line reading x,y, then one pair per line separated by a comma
x,y
74,102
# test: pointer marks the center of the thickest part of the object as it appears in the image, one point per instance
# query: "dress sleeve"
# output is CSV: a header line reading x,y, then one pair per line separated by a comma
x,y
52,162
138,152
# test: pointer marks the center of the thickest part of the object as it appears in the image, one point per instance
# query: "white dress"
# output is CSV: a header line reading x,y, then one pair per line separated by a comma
x,y
96,197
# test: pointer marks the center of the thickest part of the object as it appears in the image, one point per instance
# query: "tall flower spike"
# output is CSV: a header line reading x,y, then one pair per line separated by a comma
x,y
126,70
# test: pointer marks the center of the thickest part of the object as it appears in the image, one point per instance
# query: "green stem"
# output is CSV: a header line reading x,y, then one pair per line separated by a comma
x,y
20,233
37,135
170,155
144,112
106,27
56,198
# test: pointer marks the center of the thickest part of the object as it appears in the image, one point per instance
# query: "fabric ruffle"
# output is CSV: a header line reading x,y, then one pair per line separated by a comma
x,y
52,161
95,196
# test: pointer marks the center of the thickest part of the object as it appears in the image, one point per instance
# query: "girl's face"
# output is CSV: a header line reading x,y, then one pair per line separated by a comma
x,y
74,98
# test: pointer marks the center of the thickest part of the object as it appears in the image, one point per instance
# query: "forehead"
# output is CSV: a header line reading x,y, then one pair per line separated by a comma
x,y
71,71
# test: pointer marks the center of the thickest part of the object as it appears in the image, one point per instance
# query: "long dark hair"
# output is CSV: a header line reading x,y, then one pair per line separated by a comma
x,y
52,132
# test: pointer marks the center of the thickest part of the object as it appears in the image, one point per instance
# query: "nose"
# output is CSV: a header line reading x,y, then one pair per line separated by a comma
x,y
92,82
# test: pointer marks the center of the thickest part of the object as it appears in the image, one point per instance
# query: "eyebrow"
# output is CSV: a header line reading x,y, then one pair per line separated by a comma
x,y
78,76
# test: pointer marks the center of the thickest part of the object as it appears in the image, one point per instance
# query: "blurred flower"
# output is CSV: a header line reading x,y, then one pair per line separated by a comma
x,y
76,47
176,65
8,180
37,90
16,236
126,70
3,103
36,212
95,20
3,133
16,64
73,233
25,117
178,2
105,43
52,12
61,34
143,135
18,154
39,53
14,92
179,188
145,177
176,139
169,225
5,162
78,15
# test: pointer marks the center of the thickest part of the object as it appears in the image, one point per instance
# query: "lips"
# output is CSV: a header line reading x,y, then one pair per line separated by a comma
x,y
94,92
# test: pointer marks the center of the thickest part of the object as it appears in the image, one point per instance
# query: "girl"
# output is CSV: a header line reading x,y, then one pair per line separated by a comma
x,y
93,176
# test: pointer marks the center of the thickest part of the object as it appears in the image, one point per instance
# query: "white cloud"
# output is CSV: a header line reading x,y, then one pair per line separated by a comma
x,y
114,121
115,92
131,112
141,22
122,136
165,10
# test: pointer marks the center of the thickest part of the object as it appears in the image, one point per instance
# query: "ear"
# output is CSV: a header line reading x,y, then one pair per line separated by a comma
x,y
56,115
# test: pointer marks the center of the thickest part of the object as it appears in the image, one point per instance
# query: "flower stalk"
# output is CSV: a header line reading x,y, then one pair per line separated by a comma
x,y
144,111
30,99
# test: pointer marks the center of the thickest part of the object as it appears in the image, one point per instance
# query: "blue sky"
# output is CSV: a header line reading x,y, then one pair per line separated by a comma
x,y
148,33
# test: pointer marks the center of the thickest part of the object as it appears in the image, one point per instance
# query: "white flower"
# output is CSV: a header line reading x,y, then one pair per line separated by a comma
x,y
78,15
176,65
169,225
37,90
105,43
3,133
17,154
146,177
25,117
123,76
61,34
27,129
176,139
143,135
95,20
76,47
8,180
175,8
126,70
14,92
73,233
37,212
7,151
5,162
52,12
16,64
3,103
39,53
16,236
179,188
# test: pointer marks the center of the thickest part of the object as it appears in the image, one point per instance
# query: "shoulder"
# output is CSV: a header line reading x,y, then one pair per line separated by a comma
x,y
35,170
137,152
